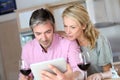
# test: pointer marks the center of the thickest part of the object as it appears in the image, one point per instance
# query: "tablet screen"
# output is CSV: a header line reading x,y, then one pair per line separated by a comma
x,y
36,68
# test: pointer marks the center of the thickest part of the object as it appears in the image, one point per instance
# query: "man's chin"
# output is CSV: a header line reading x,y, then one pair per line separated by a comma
x,y
46,46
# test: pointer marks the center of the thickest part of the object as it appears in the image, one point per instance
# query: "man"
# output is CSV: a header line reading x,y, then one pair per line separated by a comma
x,y
47,45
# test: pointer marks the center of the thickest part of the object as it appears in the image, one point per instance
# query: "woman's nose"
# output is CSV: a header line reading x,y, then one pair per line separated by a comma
x,y
68,31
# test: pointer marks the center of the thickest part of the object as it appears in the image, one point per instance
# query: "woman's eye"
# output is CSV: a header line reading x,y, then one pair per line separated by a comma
x,y
72,27
65,26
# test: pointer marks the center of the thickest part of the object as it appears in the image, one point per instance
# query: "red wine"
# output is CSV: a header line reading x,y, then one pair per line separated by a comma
x,y
25,72
84,66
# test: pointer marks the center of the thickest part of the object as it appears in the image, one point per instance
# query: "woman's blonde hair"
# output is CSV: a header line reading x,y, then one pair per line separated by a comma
x,y
78,12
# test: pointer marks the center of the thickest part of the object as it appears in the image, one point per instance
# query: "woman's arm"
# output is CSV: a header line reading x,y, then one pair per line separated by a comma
x,y
102,75
107,67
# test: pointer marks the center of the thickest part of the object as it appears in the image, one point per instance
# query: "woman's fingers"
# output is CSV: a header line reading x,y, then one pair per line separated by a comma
x,y
95,76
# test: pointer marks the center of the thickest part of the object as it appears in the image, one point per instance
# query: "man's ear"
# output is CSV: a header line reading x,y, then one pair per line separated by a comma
x,y
31,29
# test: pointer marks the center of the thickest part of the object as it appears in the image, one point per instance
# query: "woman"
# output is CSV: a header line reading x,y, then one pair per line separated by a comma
x,y
78,26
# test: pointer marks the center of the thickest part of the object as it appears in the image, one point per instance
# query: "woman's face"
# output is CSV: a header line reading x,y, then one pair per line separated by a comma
x,y
73,28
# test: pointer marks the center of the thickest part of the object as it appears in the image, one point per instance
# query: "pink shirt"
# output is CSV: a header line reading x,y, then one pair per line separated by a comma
x,y
32,52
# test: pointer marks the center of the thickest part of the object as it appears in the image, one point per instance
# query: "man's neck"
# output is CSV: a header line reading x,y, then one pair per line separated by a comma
x,y
45,50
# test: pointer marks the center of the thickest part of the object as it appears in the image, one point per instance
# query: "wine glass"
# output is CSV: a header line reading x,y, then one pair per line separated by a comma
x,y
86,62
23,68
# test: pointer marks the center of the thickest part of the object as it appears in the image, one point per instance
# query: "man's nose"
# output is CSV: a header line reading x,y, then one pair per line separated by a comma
x,y
44,37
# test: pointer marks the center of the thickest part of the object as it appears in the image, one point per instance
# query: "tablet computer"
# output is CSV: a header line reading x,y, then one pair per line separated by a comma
x,y
36,68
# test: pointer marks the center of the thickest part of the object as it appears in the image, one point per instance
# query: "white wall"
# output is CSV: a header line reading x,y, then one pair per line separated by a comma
x,y
113,10
104,10
21,4
90,9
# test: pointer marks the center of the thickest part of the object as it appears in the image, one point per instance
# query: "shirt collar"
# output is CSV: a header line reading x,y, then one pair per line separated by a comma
x,y
53,44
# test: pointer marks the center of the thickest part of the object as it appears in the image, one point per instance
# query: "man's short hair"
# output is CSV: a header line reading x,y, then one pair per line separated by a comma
x,y
41,16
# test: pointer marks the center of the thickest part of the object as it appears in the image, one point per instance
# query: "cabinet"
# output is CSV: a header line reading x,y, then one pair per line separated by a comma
x,y
2,74
10,50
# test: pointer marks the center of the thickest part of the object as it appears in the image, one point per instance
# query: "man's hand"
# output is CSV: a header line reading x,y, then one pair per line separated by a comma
x,y
68,75
23,77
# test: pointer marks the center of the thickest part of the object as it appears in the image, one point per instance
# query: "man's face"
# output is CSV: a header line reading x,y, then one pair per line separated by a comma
x,y
44,34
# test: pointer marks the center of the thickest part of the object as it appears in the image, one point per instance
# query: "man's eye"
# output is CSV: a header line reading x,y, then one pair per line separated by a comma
x,y
38,33
48,32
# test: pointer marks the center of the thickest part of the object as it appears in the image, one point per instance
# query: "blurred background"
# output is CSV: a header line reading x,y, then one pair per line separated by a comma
x,y
15,31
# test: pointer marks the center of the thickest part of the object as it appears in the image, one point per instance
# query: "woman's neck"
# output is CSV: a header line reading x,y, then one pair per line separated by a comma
x,y
83,41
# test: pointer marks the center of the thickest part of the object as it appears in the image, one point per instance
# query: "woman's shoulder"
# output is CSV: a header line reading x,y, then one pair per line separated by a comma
x,y
102,38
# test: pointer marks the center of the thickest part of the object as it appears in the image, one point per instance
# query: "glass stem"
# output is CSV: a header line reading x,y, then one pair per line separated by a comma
x,y
85,75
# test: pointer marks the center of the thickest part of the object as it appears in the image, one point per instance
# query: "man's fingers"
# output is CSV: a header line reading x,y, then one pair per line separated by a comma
x,y
69,68
22,77
47,74
57,71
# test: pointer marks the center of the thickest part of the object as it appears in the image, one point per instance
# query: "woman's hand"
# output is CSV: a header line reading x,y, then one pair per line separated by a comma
x,y
68,75
96,76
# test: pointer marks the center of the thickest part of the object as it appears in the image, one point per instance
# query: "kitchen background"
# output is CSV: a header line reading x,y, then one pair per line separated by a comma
x,y
15,32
